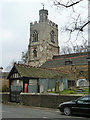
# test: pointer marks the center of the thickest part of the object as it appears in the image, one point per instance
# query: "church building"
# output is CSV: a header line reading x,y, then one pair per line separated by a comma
x,y
43,49
43,43
46,69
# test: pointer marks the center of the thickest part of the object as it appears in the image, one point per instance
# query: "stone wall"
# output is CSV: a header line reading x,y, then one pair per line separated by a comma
x,y
40,100
5,97
48,101
4,81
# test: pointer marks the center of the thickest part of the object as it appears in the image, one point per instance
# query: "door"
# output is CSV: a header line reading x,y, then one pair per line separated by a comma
x,y
25,87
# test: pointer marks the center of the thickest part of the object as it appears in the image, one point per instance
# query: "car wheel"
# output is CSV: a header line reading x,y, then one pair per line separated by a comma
x,y
67,111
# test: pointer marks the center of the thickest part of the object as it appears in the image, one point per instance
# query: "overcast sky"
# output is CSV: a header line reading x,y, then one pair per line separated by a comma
x,y
16,16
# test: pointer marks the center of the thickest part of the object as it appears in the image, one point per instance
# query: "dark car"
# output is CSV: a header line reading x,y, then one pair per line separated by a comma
x,y
81,106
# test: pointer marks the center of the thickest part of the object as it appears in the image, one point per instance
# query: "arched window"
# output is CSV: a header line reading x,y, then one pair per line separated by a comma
x,y
35,36
34,53
52,36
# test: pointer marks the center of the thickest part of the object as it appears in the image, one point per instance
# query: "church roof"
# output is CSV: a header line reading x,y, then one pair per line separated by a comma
x,y
76,58
33,72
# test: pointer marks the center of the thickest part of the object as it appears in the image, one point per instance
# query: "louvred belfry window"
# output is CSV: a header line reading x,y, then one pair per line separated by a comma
x,y
52,36
35,36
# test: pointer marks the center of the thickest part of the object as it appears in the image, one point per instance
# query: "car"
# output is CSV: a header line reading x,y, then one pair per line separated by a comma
x,y
80,105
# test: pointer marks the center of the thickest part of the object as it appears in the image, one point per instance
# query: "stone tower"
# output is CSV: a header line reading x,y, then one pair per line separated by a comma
x,y
43,44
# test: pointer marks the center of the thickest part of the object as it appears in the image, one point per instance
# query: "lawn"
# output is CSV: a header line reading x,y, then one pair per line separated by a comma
x,y
72,91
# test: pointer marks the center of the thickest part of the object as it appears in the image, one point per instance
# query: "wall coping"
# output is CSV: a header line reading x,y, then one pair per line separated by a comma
x,y
43,94
52,94
4,93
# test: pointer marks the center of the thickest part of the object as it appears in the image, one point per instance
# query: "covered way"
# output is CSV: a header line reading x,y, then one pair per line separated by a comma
x,y
23,78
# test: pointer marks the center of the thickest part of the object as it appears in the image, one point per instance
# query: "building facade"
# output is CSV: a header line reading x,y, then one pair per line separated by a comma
x,y
75,64
43,43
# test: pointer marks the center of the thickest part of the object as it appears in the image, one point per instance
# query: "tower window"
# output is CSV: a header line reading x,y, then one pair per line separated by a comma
x,y
52,36
35,36
34,53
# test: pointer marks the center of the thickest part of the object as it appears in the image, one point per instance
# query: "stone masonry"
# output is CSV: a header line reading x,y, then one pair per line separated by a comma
x,y
44,47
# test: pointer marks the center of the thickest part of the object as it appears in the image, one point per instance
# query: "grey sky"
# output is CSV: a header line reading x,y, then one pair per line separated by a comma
x,y
16,16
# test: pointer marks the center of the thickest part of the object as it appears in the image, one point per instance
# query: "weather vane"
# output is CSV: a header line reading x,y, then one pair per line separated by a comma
x,y
43,5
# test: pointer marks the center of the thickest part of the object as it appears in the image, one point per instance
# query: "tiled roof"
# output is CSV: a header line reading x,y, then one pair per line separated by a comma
x,y
57,61
33,72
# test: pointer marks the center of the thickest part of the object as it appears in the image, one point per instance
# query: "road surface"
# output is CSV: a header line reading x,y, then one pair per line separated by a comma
x,y
20,111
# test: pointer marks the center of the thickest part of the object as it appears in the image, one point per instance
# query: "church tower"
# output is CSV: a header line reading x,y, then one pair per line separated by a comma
x,y
43,44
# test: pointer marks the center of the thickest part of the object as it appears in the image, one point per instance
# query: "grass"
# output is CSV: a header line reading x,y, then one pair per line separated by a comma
x,y
72,91
68,92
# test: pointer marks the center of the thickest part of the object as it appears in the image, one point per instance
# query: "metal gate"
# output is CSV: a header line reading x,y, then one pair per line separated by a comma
x,y
15,93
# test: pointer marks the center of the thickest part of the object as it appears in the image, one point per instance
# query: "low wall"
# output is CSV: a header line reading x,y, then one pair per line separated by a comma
x,y
40,100
48,101
5,97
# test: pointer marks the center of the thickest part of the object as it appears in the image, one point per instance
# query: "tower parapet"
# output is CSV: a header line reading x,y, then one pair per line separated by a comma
x,y
49,22
52,24
43,17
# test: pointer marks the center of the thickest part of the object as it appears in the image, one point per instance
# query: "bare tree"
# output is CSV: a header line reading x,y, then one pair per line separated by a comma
x,y
24,57
23,60
78,24
63,50
66,50
9,67
75,49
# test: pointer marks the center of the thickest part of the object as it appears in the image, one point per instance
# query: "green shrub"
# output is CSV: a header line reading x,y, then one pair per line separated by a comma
x,y
5,88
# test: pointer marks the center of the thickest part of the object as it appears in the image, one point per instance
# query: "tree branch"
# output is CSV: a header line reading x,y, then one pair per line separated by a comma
x,y
81,29
67,6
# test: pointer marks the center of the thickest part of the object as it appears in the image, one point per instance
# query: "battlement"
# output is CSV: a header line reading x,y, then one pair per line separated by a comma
x,y
35,22
49,23
52,24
